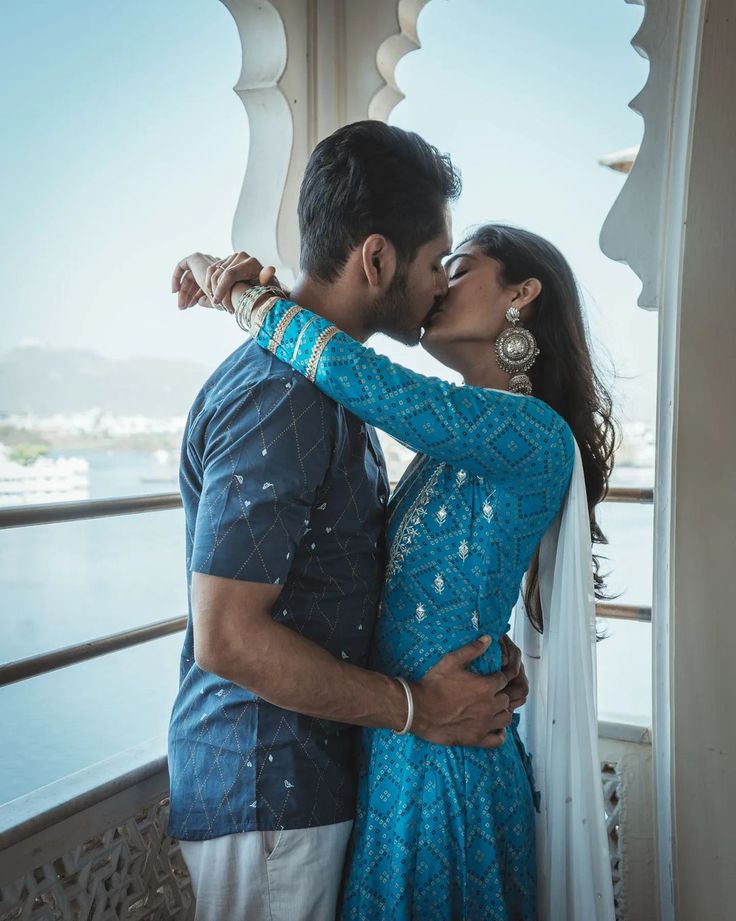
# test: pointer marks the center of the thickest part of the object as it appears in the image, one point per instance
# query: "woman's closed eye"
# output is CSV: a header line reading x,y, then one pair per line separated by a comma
x,y
458,274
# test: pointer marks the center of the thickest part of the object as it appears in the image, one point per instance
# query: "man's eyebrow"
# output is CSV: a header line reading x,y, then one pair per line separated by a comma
x,y
458,256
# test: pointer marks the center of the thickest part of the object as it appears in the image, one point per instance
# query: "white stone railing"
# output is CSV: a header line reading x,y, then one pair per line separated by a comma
x,y
94,844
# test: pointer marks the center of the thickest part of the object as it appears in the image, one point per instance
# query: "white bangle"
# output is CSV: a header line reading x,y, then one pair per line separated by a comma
x,y
409,705
245,307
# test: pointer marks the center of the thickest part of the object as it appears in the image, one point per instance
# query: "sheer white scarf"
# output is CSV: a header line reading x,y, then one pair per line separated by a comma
x,y
559,724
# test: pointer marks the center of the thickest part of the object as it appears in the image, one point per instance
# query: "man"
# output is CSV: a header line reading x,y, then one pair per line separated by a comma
x,y
285,495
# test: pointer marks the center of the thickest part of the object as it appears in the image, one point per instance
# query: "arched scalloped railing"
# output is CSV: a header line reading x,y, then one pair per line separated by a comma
x,y
632,232
640,226
264,48
391,51
308,67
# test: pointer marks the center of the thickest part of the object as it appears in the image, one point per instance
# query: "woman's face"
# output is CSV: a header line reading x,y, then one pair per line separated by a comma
x,y
474,310
476,303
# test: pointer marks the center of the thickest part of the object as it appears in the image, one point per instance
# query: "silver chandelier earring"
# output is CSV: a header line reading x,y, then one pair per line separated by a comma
x,y
516,352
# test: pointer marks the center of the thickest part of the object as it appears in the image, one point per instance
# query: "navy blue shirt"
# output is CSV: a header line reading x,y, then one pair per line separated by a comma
x,y
283,486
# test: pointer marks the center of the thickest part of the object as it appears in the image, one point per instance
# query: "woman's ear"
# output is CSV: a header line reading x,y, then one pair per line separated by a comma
x,y
528,292
379,261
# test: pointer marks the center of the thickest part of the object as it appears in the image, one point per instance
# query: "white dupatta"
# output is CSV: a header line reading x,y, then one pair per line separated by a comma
x,y
559,724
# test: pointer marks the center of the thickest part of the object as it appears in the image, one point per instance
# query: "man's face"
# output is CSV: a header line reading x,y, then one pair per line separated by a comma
x,y
416,290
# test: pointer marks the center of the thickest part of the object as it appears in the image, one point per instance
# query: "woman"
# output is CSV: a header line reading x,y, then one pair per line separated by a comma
x,y
450,832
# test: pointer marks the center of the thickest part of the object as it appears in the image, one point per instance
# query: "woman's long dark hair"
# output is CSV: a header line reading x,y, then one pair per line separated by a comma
x,y
563,374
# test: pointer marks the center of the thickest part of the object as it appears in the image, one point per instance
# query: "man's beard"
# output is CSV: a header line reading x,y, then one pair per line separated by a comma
x,y
391,313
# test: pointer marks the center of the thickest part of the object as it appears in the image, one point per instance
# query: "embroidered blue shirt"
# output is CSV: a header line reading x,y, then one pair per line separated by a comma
x,y
280,485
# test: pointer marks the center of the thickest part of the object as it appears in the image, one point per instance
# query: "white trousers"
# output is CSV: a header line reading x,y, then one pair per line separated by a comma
x,y
288,875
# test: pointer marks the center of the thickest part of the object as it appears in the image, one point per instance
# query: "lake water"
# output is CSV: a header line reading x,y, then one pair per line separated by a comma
x,y
65,583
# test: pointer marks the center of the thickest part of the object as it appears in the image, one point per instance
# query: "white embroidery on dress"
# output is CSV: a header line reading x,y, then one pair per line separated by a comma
x,y
439,583
487,511
463,550
421,613
460,477
475,620
409,527
441,514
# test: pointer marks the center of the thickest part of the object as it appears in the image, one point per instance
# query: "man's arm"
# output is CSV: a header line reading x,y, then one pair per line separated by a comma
x,y
235,637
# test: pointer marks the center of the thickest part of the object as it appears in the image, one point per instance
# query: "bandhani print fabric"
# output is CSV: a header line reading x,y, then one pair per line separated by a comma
x,y
443,833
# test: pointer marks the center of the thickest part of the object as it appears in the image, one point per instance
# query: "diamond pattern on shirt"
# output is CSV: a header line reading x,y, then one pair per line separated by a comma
x,y
280,485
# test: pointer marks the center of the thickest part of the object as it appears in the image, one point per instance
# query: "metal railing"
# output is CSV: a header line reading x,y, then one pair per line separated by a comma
x,y
21,516
57,512
80,652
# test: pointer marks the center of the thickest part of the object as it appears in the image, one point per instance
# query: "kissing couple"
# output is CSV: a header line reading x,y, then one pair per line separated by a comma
x,y
351,736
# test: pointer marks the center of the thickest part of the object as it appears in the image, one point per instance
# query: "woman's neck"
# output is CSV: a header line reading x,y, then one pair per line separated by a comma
x,y
478,367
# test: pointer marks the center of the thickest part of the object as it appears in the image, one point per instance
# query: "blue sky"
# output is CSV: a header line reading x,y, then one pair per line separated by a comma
x,y
125,148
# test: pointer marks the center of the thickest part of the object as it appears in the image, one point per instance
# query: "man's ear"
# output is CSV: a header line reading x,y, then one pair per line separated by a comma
x,y
379,261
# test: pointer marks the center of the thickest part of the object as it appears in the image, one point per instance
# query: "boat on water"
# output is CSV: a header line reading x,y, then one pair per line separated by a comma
x,y
44,480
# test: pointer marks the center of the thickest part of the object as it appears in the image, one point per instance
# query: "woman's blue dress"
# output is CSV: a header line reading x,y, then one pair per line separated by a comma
x,y
442,833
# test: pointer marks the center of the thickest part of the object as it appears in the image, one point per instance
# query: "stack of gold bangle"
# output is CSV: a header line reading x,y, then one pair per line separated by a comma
x,y
249,318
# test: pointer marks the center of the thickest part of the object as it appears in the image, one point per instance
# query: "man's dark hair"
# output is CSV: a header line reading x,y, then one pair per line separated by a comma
x,y
370,177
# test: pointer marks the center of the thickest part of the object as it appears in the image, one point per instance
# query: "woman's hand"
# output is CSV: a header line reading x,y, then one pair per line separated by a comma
x,y
513,668
189,280
208,281
240,267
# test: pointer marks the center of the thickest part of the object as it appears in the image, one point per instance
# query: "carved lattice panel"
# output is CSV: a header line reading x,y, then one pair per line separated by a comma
x,y
133,871
611,780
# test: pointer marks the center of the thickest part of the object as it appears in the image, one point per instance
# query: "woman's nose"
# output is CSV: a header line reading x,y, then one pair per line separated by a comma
x,y
442,286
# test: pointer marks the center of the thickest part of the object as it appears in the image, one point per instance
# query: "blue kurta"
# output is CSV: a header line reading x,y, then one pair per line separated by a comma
x,y
442,833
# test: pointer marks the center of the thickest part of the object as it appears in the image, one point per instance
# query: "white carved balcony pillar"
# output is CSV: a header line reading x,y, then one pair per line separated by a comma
x,y
675,225
309,66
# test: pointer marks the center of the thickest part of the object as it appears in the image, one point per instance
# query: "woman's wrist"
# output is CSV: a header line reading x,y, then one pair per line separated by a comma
x,y
252,305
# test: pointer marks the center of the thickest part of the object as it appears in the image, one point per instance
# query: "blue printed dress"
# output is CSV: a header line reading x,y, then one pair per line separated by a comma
x,y
443,833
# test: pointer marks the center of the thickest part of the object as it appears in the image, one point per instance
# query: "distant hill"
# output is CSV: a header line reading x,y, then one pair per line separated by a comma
x,y
40,380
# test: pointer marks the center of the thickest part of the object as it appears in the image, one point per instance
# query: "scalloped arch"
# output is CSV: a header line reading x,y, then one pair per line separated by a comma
x,y
309,66
390,52
644,222
263,42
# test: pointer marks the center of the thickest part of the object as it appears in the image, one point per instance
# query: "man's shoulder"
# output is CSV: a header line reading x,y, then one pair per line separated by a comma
x,y
251,379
